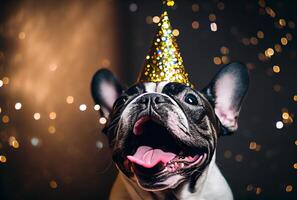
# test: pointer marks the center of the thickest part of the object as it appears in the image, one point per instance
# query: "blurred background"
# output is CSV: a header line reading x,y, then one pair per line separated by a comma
x,y
51,146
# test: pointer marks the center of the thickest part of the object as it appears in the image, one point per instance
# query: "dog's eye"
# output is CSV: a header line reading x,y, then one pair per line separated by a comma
x,y
120,101
191,99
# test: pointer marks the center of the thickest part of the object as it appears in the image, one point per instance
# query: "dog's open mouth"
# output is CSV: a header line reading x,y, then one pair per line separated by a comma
x,y
156,150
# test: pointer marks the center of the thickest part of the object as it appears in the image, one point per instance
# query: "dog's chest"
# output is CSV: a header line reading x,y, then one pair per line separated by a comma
x,y
210,186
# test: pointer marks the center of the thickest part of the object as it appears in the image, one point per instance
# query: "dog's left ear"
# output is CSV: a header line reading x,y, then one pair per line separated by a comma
x,y
226,92
105,90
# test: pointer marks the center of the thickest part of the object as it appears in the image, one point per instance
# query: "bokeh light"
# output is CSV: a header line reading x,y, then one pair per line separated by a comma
x,y
70,99
13,142
238,157
289,188
258,190
225,59
217,60
284,41
53,184
5,80
99,144
212,17
22,35
133,7
83,107
227,154
253,145
269,52
224,50
18,106
52,115
175,32
149,19
5,119
195,7
35,141
52,129
285,115
37,116
96,107
276,69
195,24
102,120
3,159
279,125
53,67
156,19
213,27
260,34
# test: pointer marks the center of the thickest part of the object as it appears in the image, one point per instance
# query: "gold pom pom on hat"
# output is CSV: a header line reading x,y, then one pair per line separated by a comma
x,y
164,62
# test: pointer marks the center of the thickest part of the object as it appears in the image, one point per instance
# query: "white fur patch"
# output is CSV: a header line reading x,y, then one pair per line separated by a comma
x,y
150,87
155,87
224,91
108,92
161,85
225,88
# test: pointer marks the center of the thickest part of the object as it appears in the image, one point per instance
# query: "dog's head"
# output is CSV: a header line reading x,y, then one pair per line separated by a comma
x,y
162,134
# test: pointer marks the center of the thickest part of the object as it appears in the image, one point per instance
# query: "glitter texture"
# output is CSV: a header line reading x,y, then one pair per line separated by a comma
x,y
164,62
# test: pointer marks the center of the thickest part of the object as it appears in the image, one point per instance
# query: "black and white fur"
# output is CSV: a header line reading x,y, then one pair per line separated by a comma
x,y
184,120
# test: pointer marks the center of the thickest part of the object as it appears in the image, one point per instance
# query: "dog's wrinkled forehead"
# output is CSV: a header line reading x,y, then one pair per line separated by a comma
x,y
176,91
146,88
161,87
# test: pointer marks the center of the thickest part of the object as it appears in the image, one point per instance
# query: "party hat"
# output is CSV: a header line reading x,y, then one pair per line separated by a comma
x,y
164,62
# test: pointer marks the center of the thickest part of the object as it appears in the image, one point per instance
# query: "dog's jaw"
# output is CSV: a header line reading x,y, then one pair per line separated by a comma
x,y
210,185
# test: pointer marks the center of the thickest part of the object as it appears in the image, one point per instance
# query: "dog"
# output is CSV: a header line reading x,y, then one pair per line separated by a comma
x,y
163,135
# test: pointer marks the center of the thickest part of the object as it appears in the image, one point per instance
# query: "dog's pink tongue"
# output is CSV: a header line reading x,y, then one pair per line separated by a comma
x,y
148,157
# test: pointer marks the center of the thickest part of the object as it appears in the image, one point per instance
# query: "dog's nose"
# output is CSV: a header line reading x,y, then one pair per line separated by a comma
x,y
157,99
144,99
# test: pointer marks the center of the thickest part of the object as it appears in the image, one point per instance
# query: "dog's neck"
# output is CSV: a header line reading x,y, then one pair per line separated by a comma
x,y
211,182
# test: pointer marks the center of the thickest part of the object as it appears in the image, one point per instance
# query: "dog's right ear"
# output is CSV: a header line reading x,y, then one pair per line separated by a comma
x,y
226,92
105,90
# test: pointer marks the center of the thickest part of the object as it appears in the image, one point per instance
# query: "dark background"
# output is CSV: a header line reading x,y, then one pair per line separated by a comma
x,y
83,36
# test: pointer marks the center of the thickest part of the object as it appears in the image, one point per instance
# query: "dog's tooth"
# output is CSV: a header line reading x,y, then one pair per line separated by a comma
x,y
181,165
176,165
189,158
172,165
169,170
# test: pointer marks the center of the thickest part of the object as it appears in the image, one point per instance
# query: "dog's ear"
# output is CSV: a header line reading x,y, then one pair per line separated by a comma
x,y
225,92
105,90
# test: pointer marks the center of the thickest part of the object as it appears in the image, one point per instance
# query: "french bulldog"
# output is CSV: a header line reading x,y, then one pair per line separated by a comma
x,y
163,136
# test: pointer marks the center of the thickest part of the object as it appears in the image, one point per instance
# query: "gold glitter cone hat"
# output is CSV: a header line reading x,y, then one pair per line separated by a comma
x,y
164,62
